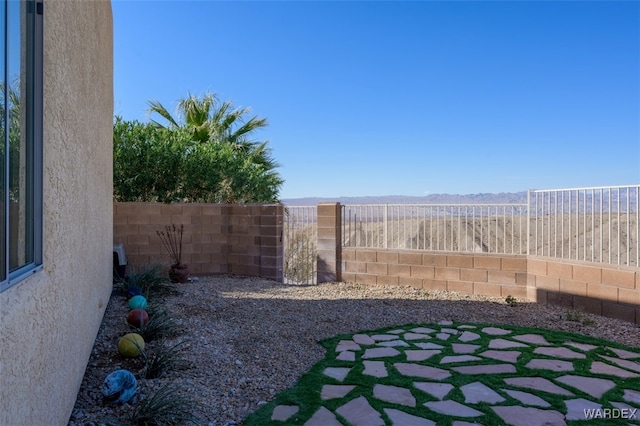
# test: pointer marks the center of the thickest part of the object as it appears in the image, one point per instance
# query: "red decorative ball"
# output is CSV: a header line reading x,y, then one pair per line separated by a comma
x,y
138,318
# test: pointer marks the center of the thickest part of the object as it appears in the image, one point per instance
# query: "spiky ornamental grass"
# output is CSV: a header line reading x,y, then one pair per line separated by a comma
x,y
164,359
168,406
151,280
160,324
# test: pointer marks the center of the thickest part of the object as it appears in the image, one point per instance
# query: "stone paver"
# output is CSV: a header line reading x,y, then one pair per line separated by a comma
x,y
380,353
550,364
423,330
428,345
416,336
468,336
631,396
384,337
532,338
505,344
420,355
576,408
464,348
477,392
581,346
335,391
323,417
283,412
347,345
359,413
400,418
438,390
394,394
629,365
527,398
507,356
625,354
591,385
486,369
458,358
495,331
527,416
442,387
375,368
537,383
603,368
452,408
346,356
416,370
393,343
559,353
338,373
363,339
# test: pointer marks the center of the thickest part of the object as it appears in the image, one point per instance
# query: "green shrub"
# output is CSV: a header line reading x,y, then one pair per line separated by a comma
x,y
163,359
168,406
153,164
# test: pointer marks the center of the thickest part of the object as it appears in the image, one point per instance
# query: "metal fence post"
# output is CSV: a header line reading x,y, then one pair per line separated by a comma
x,y
529,222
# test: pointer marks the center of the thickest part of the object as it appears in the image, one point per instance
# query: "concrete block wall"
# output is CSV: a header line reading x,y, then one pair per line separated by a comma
x,y
609,290
243,239
488,275
606,290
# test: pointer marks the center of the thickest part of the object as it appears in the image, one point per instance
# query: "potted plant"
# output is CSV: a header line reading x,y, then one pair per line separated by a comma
x,y
171,239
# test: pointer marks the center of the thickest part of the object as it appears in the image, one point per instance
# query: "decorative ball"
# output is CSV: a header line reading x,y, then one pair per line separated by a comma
x,y
138,318
131,345
133,290
138,302
119,386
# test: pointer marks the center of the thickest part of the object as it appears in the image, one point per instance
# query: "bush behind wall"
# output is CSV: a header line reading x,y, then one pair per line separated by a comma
x,y
152,164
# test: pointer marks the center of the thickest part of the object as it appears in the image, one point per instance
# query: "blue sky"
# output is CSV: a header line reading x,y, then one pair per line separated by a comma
x,y
404,98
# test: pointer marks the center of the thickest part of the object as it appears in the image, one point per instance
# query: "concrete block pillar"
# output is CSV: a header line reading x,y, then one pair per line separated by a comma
x,y
329,242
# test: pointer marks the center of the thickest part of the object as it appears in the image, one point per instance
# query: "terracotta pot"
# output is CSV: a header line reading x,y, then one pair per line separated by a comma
x,y
179,273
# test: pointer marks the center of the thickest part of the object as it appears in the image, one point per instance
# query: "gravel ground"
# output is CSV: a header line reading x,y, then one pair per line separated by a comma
x,y
249,339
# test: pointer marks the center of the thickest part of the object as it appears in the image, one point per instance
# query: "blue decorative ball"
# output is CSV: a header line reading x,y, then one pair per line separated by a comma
x,y
133,290
119,386
138,302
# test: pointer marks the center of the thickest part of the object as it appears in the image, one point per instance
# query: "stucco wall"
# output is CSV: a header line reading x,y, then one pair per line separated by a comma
x,y
49,321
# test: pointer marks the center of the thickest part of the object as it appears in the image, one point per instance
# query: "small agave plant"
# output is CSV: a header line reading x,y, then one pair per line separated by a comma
x,y
171,239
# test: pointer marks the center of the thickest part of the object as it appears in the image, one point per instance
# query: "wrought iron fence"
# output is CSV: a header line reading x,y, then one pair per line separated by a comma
x,y
488,228
300,235
598,224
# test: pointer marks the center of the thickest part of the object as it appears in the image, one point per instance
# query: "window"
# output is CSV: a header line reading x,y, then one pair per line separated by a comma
x,y
20,140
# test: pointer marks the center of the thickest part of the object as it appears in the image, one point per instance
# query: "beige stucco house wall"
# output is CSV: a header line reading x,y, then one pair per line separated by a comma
x,y
49,321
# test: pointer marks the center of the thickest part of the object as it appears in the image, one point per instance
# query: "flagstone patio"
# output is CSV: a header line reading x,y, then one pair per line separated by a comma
x,y
467,374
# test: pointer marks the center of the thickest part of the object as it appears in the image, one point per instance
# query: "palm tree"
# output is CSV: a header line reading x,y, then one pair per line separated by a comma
x,y
210,120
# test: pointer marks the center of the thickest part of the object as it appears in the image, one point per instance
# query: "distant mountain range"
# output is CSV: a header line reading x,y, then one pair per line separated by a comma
x,y
484,198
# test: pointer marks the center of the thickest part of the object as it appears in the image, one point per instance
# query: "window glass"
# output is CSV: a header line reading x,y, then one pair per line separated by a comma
x,y
3,110
20,139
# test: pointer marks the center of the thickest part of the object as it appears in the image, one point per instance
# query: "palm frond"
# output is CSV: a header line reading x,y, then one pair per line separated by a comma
x,y
158,108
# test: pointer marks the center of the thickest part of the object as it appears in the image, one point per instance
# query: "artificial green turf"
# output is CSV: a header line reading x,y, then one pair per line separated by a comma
x,y
306,393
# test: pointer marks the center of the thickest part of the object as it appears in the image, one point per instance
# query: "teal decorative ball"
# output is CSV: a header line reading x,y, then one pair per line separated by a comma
x,y
138,302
